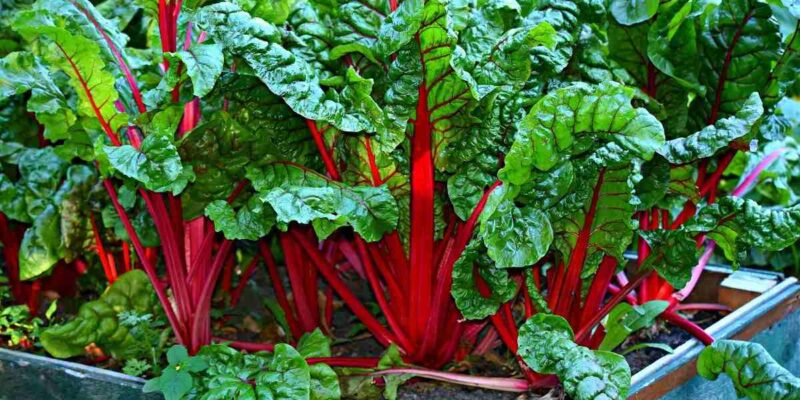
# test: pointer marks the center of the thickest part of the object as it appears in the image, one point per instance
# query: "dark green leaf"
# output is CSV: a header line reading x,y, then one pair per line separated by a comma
x,y
706,142
514,236
737,225
288,376
251,222
754,373
469,299
156,165
291,78
546,344
96,321
303,196
675,254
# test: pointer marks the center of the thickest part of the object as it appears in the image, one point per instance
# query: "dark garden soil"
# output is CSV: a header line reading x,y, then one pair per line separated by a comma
x,y
666,334
437,391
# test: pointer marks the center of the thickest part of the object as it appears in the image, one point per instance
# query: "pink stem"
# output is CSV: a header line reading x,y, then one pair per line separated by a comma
x,y
753,175
501,384
696,272
701,307
622,278
353,362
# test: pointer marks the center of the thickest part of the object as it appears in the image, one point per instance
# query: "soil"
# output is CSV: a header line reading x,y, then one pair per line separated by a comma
x,y
666,334
439,391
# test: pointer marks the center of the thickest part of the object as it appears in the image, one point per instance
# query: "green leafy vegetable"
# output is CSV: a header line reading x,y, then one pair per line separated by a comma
x,y
754,373
97,321
566,120
625,319
546,344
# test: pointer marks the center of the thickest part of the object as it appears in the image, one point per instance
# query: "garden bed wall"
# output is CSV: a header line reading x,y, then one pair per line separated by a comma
x,y
27,376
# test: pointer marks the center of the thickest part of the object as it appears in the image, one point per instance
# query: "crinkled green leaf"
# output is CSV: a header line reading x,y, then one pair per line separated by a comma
x,y
674,255
275,12
228,387
399,27
489,62
355,21
738,45
96,321
755,374
40,172
654,184
538,299
290,77
465,292
314,344
546,189
162,122
257,128
598,214
82,18
682,182
156,165
449,98
71,200
706,142
317,37
546,344
60,228
567,120
565,17
324,381
288,376
41,246
672,44
251,222
79,57
737,225
783,79
465,188
514,236
22,72
303,196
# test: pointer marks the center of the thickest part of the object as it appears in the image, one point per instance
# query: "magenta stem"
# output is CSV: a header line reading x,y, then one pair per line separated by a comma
x,y
689,326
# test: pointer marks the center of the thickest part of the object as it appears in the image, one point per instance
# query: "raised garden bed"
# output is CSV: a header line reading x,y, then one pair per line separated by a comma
x,y
436,190
770,319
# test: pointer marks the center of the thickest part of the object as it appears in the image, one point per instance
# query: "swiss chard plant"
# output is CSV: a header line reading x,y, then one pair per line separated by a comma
x,y
482,166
